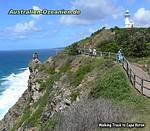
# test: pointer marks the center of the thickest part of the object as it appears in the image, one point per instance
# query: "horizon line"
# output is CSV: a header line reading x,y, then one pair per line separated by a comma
x,y
33,49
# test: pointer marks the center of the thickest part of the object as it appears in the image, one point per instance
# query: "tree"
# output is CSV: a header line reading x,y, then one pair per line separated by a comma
x,y
137,44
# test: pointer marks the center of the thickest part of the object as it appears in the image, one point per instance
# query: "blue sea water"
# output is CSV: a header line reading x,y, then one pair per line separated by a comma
x,y
14,75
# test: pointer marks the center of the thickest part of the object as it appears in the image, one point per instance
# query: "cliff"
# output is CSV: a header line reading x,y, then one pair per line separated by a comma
x,y
71,92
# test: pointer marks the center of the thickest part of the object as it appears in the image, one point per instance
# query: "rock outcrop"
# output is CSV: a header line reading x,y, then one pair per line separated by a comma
x,y
30,96
14,112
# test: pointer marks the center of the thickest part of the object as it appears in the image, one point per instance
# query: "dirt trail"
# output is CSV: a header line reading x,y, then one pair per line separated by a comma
x,y
138,71
144,75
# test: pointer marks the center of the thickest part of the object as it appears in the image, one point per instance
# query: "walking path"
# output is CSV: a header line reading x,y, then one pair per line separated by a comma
x,y
138,71
139,78
142,75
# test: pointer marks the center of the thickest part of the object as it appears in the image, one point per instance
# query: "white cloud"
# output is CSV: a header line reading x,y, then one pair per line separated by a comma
x,y
21,30
36,8
91,11
142,17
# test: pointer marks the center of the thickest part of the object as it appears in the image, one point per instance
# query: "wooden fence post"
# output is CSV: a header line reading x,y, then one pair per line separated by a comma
x,y
134,80
127,69
109,54
101,54
142,86
130,74
122,63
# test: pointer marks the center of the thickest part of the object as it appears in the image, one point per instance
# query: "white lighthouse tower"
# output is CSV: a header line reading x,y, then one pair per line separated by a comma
x,y
128,22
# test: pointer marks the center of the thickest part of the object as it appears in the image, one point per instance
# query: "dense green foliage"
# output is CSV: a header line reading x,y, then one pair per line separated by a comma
x,y
108,46
133,41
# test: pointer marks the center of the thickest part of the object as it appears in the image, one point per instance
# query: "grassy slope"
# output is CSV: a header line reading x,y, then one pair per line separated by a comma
x,y
114,85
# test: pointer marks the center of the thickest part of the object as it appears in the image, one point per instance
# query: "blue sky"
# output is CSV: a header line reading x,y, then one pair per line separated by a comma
x,y
19,32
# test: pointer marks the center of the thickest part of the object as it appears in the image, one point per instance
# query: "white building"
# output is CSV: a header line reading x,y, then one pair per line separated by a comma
x,y
128,22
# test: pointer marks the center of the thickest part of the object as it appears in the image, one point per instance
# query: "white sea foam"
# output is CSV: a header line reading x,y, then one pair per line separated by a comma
x,y
15,85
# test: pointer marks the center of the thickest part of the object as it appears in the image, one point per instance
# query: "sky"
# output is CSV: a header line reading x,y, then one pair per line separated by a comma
x,y
21,32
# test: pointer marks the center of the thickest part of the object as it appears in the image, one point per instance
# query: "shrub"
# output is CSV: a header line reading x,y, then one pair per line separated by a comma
x,y
74,95
72,49
85,115
79,74
66,64
47,69
108,46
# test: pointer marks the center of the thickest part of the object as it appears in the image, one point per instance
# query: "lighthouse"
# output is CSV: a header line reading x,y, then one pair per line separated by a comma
x,y
128,22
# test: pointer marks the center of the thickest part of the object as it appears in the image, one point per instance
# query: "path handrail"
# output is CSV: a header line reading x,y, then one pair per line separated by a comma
x,y
131,74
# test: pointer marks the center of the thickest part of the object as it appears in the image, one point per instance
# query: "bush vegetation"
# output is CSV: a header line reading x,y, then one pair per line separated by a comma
x,y
46,69
72,49
85,115
74,95
115,86
134,42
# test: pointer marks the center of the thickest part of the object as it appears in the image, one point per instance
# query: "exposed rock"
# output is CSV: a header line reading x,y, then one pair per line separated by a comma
x,y
14,112
33,91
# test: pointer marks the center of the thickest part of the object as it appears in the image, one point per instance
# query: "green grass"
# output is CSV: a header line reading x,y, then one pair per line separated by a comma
x,y
23,118
115,86
66,64
113,82
34,119
79,75
29,117
64,67
88,65
46,69
74,95
50,124
148,44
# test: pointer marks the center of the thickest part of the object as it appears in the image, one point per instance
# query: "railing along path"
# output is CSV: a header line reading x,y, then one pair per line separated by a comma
x,y
141,84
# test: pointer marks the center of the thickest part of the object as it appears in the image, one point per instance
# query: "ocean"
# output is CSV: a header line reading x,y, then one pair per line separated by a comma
x,y
14,75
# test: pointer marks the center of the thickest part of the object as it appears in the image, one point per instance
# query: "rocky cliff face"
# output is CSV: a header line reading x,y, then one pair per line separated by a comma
x,y
44,85
14,112
65,92
58,93
30,96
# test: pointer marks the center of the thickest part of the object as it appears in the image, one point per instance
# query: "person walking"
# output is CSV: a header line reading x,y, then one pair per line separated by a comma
x,y
90,51
94,52
120,56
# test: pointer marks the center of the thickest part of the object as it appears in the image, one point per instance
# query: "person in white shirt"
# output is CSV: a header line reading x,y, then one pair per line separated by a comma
x,y
94,52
